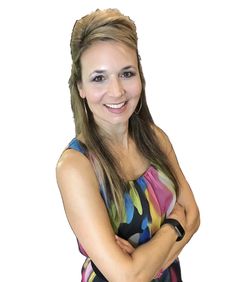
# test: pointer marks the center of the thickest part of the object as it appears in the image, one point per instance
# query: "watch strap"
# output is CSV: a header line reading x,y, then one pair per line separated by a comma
x,y
177,226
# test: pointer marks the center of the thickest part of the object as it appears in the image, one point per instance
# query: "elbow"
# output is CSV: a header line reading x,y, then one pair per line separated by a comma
x,y
127,273
194,224
131,274
136,278
141,276
197,221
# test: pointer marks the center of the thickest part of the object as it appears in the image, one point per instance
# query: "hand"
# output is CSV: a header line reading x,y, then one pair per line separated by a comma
x,y
127,248
125,245
179,214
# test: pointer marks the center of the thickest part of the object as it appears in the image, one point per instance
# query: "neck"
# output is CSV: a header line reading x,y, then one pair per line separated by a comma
x,y
118,135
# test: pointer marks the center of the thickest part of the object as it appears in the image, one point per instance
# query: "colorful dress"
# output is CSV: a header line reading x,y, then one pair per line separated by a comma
x,y
147,201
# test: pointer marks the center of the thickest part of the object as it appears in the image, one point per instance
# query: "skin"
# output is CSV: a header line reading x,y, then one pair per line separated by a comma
x,y
79,187
110,76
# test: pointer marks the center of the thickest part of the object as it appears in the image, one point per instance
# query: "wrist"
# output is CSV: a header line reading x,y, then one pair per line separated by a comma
x,y
176,226
170,230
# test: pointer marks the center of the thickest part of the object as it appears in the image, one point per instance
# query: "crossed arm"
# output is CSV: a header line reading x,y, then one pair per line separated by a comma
x,y
185,199
191,226
90,223
192,221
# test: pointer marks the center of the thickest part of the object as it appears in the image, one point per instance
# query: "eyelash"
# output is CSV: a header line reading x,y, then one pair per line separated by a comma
x,y
98,78
126,75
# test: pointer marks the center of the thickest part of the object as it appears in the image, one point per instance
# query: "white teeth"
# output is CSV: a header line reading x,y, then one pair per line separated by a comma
x,y
115,106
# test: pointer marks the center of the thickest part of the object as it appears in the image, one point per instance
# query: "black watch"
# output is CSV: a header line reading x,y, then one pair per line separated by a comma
x,y
177,226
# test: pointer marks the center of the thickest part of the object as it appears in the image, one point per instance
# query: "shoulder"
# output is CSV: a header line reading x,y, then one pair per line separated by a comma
x,y
74,167
162,139
73,156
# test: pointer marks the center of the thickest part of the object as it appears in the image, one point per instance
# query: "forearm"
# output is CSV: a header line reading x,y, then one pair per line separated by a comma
x,y
160,244
191,228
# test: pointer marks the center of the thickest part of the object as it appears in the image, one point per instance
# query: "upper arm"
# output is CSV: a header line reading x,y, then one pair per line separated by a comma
x,y
185,197
87,214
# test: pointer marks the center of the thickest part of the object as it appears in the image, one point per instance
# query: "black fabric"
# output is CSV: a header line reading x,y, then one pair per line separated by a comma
x,y
98,272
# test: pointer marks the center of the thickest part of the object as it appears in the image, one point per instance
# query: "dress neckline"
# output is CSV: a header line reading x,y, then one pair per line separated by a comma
x,y
129,181
150,167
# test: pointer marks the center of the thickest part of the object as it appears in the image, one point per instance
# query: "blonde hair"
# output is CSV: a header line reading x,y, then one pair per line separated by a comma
x,y
103,25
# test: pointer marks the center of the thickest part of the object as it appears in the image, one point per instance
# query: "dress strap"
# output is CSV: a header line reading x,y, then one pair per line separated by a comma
x,y
76,145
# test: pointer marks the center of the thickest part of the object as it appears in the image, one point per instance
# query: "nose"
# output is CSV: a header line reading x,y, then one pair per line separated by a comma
x,y
115,88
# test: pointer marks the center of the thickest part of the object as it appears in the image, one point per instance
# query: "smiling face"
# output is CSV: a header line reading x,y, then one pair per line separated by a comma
x,y
110,82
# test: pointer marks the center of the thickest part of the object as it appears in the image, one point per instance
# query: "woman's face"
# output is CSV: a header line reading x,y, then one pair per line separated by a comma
x,y
110,82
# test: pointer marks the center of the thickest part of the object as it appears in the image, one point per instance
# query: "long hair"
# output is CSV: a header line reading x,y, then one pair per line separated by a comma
x,y
103,25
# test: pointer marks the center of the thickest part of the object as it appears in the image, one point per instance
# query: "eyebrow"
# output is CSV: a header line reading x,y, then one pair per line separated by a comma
x,y
129,67
103,71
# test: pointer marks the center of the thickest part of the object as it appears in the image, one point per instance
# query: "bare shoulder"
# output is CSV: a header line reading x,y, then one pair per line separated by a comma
x,y
72,167
159,132
163,139
69,155
71,159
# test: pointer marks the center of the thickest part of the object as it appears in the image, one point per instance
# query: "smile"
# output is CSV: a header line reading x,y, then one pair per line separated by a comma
x,y
115,106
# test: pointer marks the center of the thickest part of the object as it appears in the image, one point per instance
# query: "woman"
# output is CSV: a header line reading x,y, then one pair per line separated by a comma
x,y
124,194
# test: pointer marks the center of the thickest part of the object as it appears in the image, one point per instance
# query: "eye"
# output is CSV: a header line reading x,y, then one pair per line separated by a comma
x,y
98,78
127,74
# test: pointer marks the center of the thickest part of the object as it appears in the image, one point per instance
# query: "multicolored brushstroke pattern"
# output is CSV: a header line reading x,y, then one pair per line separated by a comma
x,y
149,199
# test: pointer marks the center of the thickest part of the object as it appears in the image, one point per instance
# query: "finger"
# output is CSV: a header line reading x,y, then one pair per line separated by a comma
x,y
121,244
125,242
128,249
123,248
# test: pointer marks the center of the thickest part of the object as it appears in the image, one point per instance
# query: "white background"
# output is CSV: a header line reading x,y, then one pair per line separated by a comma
x,y
188,55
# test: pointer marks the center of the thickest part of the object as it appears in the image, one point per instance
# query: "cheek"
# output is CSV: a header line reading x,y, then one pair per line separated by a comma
x,y
94,97
135,90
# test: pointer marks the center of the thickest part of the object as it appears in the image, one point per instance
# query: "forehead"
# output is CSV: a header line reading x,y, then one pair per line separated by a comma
x,y
108,54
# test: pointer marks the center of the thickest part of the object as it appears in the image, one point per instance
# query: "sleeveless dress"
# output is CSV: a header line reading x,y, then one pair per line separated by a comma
x,y
148,200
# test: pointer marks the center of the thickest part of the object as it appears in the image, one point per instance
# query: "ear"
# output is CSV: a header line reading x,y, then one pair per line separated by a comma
x,y
81,90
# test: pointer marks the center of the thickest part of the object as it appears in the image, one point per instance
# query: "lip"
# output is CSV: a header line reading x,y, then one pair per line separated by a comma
x,y
118,110
115,105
